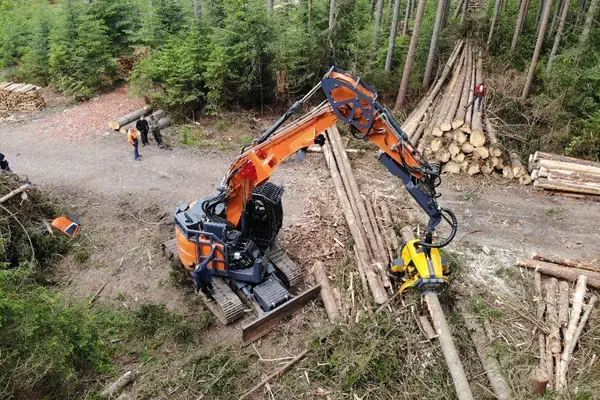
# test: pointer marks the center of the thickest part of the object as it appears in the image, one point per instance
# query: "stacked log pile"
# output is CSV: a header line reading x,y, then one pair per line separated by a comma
x,y
560,321
20,97
565,174
449,125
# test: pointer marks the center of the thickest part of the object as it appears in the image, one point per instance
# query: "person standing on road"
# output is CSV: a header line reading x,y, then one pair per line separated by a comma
x,y
142,126
133,136
4,164
155,129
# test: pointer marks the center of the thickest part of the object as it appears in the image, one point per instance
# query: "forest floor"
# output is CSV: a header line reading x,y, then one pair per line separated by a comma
x,y
126,208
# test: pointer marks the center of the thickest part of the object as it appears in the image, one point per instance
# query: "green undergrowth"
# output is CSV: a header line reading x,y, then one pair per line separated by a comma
x,y
52,347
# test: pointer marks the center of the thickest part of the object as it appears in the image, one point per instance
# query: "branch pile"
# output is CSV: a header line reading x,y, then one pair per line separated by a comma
x,y
20,97
449,125
565,174
561,323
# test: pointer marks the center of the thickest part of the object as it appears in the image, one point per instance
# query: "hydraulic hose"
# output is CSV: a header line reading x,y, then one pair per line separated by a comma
x,y
449,216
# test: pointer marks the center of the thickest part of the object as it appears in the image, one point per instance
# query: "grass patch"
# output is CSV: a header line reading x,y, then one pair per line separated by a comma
x,y
480,307
555,213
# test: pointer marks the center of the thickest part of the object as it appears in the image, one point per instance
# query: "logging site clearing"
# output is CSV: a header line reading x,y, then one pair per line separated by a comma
x,y
216,200
126,213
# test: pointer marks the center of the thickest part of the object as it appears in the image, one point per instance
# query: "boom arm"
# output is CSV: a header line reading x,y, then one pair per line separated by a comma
x,y
351,101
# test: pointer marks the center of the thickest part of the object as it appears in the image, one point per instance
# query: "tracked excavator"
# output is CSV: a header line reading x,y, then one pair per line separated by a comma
x,y
227,240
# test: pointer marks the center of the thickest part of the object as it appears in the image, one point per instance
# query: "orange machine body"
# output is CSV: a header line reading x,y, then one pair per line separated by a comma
x,y
191,251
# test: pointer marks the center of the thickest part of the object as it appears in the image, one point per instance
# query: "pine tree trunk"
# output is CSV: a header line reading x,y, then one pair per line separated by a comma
x,y
393,34
446,13
434,42
309,12
520,23
197,10
332,12
463,16
459,8
561,26
406,17
589,19
414,40
538,49
493,22
538,19
557,13
378,18
270,5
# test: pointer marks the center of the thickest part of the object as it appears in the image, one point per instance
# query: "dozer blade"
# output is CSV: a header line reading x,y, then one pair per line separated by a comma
x,y
257,329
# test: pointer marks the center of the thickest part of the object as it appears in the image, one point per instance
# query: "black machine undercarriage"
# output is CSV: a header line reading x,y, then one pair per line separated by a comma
x,y
259,275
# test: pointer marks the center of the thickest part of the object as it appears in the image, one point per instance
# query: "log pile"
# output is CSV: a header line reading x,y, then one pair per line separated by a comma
x,y
562,314
449,125
372,256
565,174
20,97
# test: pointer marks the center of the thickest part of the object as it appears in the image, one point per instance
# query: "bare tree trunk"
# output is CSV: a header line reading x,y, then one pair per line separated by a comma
x,y
463,16
561,26
270,5
309,12
406,17
445,14
555,16
493,22
378,17
434,42
519,25
414,40
589,19
332,12
539,16
197,10
538,49
393,34
459,8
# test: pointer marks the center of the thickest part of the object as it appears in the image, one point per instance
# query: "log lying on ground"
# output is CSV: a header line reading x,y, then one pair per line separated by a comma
x,y
553,338
466,127
517,167
489,362
567,186
567,262
137,114
15,192
578,295
476,121
541,306
327,296
539,155
158,114
365,268
557,271
539,381
119,384
461,384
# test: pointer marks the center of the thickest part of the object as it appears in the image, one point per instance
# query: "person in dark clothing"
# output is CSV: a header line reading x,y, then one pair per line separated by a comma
x,y
142,126
4,164
153,122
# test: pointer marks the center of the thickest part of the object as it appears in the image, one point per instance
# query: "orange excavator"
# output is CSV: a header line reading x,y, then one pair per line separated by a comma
x,y
227,241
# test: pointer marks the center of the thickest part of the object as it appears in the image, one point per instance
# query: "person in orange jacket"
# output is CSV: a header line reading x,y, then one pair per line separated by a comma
x,y
133,136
